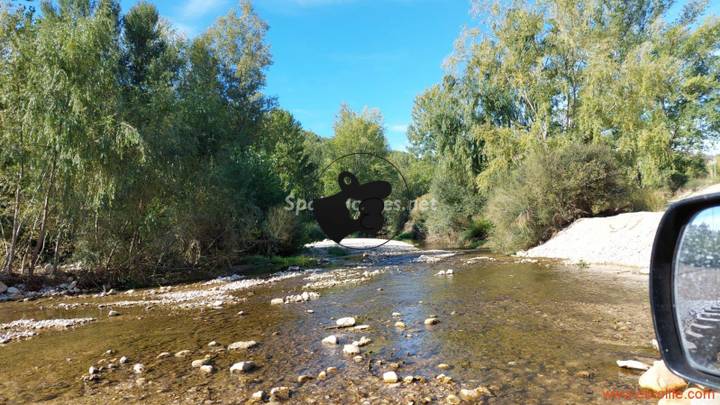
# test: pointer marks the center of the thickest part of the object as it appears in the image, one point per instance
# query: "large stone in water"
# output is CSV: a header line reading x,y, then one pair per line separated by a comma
x,y
242,367
331,340
351,349
390,377
660,378
345,322
242,345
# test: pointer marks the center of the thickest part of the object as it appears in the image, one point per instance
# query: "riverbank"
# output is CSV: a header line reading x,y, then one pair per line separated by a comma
x,y
623,240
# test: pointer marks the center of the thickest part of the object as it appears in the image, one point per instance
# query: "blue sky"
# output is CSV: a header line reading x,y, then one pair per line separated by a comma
x,y
374,53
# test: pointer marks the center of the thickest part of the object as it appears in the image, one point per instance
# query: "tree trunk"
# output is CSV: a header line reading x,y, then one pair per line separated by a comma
x,y
43,221
10,257
55,253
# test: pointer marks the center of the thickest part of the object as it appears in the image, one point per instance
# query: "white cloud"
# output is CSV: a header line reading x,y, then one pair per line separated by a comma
x,y
185,30
401,128
198,8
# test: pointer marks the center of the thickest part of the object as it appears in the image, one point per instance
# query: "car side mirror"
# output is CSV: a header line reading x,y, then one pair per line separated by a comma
x,y
685,289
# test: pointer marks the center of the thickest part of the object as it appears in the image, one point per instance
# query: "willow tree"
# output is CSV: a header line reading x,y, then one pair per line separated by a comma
x,y
61,106
559,72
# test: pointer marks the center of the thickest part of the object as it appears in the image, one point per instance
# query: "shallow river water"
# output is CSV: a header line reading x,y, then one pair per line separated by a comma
x,y
529,332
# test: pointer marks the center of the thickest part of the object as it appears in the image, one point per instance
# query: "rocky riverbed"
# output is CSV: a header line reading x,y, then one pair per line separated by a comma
x,y
392,327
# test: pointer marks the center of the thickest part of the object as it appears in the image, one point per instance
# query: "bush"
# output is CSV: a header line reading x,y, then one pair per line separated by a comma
x,y
477,233
337,251
552,188
455,203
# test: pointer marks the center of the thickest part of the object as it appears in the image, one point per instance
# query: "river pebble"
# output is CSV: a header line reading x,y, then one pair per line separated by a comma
x,y
242,345
123,360
182,353
330,340
304,297
345,322
302,379
432,321
207,369
138,368
200,362
390,377
351,349
444,378
113,313
242,367
474,394
163,355
364,341
633,365
280,393
258,396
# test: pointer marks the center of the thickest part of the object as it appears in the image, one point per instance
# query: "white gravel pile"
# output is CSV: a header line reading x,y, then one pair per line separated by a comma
x,y
620,240
624,240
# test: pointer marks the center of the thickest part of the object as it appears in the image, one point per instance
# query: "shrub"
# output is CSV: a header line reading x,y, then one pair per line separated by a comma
x,y
477,232
455,204
337,251
550,189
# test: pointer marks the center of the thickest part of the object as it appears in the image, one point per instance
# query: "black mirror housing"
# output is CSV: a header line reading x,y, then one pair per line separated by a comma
x,y
662,279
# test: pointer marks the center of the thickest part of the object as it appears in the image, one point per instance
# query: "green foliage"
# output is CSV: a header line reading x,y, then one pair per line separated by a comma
x,y
405,236
337,251
552,188
456,202
126,146
416,171
478,232
562,72
356,132
284,139
275,263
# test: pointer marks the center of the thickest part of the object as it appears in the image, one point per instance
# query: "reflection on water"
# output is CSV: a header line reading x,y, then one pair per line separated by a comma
x,y
532,333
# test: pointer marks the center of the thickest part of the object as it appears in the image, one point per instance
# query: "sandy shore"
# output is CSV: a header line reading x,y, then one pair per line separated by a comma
x,y
621,240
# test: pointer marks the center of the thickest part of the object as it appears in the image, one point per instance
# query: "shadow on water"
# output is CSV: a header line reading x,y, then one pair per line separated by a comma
x,y
532,332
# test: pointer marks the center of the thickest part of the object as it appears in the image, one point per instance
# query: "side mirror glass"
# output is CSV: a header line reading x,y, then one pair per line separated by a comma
x,y
685,289
697,290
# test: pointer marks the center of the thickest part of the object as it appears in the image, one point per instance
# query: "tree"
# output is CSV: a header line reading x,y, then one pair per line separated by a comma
x,y
559,72
284,140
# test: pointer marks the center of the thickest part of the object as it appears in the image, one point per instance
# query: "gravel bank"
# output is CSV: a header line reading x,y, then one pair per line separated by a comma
x,y
620,240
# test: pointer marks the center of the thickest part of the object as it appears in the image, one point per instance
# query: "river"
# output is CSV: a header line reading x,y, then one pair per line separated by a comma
x,y
528,331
